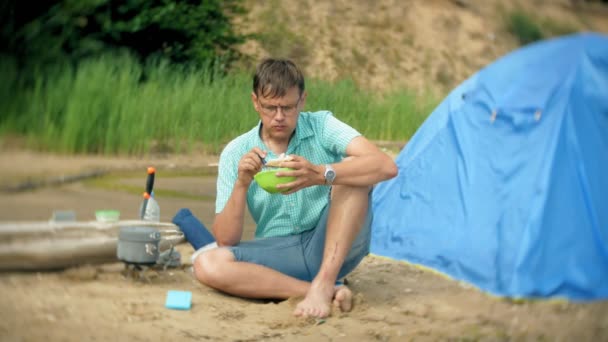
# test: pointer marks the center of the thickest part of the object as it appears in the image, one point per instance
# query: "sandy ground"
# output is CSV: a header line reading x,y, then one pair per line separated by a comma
x,y
394,301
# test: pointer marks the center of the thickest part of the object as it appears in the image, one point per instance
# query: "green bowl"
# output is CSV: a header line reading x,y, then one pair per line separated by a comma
x,y
268,181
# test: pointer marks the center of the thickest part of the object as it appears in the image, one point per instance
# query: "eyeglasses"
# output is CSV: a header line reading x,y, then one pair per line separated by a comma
x,y
286,110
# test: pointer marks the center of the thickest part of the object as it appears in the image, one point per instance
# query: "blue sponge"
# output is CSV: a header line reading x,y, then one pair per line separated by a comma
x,y
179,300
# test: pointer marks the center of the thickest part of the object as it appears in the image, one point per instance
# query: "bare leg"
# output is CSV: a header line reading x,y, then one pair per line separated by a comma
x,y
346,215
218,268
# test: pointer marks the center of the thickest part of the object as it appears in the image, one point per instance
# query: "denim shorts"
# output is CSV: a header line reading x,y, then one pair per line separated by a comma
x,y
300,255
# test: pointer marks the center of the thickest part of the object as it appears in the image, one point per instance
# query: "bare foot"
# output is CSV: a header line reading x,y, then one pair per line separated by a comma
x,y
316,305
317,302
343,298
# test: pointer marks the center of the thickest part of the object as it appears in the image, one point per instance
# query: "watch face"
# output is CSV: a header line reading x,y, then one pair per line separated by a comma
x,y
330,174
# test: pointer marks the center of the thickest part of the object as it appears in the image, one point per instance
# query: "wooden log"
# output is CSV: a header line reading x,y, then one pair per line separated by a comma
x,y
31,246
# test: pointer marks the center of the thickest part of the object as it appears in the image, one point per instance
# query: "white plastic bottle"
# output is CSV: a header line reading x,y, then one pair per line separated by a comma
x,y
152,210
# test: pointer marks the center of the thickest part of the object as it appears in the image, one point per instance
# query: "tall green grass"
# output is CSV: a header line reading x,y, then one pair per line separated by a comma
x,y
114,105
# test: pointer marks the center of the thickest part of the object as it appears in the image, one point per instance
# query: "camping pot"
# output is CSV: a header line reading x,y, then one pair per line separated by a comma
x,y
138,245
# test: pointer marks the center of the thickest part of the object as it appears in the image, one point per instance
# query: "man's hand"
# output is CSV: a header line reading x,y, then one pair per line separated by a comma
x,y
249,165
306,173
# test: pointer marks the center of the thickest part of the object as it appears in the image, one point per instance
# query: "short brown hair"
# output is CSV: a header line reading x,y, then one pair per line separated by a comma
x,y
274,77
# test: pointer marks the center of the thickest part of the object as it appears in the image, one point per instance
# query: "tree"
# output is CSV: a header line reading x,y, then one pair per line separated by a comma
x,y
191,31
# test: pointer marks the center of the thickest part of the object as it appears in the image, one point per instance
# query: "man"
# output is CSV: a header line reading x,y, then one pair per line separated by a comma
x,y
315,232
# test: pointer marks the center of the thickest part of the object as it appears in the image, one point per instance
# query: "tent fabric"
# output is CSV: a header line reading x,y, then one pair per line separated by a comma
x,y
505,185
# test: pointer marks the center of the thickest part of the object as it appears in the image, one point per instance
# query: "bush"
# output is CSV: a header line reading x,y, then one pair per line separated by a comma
x,y
197,32
524,28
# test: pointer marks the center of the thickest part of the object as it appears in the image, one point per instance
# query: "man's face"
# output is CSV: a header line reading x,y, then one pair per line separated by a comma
x,y
279,115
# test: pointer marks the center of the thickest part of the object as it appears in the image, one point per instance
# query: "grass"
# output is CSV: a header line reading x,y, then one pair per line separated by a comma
x,y
114,105
524,27
277,37
528,28
556,28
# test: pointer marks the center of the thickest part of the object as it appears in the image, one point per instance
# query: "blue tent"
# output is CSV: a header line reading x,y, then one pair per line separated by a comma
x,y
505,185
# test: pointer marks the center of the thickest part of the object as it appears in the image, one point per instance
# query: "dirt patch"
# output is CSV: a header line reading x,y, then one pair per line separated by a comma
x,y
401,44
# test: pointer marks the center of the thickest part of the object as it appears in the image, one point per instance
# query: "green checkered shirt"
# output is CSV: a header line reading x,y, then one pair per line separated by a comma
x,y
321,139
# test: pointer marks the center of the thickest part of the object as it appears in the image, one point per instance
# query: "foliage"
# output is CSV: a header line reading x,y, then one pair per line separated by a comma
x,y
183,31
524,27
529,28
102,105
278,39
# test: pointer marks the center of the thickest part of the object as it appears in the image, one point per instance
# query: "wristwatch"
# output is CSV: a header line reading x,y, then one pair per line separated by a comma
x,y
330,174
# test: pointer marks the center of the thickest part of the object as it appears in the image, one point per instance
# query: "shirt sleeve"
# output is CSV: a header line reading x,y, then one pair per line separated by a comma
x,y
226,176
336,135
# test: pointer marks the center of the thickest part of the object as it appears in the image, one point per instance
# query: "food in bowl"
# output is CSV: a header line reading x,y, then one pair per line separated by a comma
x,y
268,179
277,162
